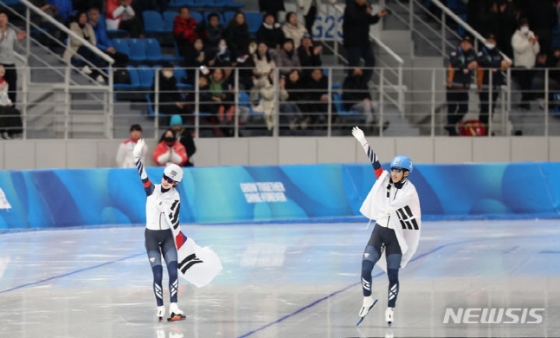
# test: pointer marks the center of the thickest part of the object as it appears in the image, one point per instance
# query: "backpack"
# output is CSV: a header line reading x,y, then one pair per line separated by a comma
x,y
121,76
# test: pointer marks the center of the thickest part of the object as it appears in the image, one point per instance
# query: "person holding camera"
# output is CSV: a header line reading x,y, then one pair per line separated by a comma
x,y
355,29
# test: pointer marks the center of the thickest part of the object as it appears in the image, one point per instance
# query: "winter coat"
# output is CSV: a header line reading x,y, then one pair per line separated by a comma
x,y
524,53
267,102
287,63
164,154
213,36
308,60
272,36
237,38
354,90
295,33
355,27
264,66
184,28
73,44
458,74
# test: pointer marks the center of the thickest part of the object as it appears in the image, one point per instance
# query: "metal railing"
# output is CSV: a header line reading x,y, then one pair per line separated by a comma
x,y
74,114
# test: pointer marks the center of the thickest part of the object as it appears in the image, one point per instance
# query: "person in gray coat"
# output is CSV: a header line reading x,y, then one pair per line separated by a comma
x,y
287,58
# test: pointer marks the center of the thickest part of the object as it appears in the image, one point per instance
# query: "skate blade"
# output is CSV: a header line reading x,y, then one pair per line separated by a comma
x,y
362,318
176,318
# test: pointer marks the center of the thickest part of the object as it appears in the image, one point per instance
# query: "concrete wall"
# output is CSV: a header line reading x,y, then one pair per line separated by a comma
x,y
42,154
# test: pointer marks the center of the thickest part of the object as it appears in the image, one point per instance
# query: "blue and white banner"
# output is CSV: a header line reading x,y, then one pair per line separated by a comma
x,y
83,197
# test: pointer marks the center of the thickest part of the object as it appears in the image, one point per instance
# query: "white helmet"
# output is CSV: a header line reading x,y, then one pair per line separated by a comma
x,y
174,172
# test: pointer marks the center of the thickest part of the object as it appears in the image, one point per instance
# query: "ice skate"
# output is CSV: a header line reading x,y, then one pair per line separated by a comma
x,y
367,305
160,312
174,313
389,316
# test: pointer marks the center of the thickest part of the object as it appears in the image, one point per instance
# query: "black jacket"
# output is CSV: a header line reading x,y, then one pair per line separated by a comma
x,y
489,59
458,75
272,37
237,38
354,90
213,36
308,60
355,27
296,91
187,141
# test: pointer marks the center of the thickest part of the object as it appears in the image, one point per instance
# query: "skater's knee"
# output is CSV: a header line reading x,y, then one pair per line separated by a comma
x,y
370,254
394,261
154,258
157,270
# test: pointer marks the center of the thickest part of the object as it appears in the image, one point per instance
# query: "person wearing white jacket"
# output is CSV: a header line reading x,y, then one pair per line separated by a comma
x,y
394,204
293,29
525,49
309,9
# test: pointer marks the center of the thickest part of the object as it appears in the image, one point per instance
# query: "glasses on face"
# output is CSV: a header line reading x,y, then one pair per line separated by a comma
x,y
396,170
168,179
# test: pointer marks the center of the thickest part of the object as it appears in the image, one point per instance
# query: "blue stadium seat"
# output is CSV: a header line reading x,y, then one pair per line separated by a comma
x,y
203,3
337,100
180,73
153,51
134,80
137,50
146,75
254,19
460,29
151,110
197,16
178,56
153,22
121,45
168,17
245,101
228,16
182,3
227,4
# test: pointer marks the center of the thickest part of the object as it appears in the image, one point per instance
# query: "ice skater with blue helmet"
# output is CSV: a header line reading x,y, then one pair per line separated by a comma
x,y
394,205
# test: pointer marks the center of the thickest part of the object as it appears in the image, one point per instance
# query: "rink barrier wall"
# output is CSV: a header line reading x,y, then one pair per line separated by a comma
x,y
62,198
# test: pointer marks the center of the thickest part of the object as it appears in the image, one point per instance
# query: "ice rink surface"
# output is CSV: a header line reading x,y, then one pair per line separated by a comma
x,y
282,280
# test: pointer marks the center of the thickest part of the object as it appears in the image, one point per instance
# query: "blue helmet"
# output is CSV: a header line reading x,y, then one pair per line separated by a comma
x,y
402,162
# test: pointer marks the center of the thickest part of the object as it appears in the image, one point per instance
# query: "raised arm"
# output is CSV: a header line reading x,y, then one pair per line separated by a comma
x,y
137,153
359,135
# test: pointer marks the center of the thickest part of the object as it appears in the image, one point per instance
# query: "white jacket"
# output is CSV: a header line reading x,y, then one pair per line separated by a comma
x,y
124,155
524,53
400,212
305,5
295,33
155,219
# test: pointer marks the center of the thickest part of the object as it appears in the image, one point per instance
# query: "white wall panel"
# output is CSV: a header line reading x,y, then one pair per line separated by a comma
x,y
234,151
529,149
336,150
384,147
81,154
453,149
554,149
491,149
297,150
19,155
207,152
263,151
419,149
50,154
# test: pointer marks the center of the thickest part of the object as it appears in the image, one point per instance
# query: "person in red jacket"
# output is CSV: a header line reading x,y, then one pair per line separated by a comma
x,y
184,30
120,15
169,150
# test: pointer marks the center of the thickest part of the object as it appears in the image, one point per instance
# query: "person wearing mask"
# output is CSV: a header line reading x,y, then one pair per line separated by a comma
x,y
287,58
169,150
124,154
462,62
293,29
75,48
185,137
355,29
525,49
491,64
221,56
8,40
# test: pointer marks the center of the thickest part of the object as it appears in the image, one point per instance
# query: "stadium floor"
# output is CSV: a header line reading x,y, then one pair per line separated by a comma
x,y
284,280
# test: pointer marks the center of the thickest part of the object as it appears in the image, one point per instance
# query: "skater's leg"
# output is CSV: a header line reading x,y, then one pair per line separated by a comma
x,y
170,256
371,256
393,264
154,256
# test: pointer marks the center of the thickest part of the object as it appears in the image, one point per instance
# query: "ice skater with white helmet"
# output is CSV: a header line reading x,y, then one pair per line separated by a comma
x,y
394,205
162,208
